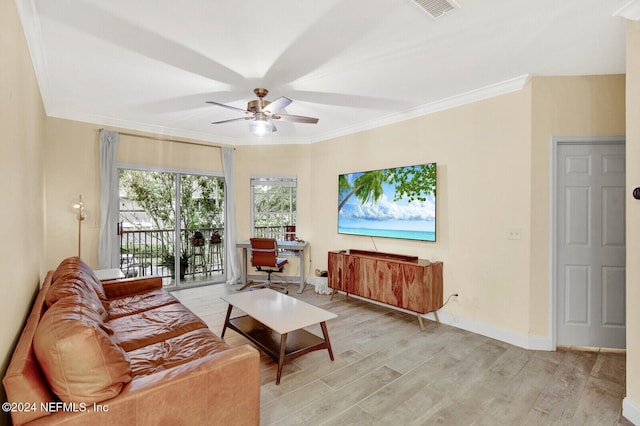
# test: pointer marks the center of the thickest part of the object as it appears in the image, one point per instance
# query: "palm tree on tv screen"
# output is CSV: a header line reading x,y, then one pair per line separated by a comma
x,y
413,182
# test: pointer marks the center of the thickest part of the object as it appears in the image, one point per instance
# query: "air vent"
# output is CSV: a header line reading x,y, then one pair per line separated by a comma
x,y
436,8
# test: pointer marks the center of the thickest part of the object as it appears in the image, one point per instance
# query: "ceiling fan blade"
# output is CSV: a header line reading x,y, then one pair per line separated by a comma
x,y
233,119
228,107
277,105
295,118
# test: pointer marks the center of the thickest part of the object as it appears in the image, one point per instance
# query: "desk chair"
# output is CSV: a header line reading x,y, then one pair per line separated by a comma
x,y
264,257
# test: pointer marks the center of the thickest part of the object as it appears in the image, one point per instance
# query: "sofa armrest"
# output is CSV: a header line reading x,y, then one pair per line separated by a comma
x,y
220,389
125,286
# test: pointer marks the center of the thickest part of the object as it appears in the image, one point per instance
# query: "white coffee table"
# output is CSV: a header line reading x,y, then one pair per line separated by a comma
x,y
275,323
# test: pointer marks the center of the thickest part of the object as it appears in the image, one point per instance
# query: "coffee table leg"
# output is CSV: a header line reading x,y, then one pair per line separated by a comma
x,y
326,338
283,347
226,320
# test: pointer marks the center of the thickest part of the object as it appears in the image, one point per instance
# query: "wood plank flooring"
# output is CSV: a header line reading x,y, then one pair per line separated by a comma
x,y
388,372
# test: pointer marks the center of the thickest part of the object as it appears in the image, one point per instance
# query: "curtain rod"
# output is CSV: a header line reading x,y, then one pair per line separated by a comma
x,y
135,135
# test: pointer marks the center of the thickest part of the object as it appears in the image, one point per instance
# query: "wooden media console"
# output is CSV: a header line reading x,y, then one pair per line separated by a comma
x,y
397,280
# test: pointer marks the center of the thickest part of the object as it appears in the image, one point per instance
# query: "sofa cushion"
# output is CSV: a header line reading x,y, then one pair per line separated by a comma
x,y
79,360
74,267
73,286
139,302
175,351
153,326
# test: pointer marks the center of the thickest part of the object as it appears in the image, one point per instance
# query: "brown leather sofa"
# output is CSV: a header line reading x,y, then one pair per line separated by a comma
x,y
125,352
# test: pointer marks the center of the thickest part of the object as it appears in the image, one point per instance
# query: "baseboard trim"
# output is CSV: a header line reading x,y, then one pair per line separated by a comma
x,y
631,411
525,341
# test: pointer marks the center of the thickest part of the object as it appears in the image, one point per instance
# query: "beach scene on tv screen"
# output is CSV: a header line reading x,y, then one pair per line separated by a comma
x,y
395,203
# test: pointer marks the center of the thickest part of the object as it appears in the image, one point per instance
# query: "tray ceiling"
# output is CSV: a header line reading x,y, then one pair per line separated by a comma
x,y
354,64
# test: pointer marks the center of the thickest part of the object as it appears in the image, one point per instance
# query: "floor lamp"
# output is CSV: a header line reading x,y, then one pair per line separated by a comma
x,y
79,208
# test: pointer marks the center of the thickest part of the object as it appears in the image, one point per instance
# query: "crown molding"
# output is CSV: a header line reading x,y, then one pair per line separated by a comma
x,y
33,36
631,10
491,91
140,127
119,124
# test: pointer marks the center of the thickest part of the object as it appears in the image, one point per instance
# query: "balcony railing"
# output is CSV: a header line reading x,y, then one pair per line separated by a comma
x,y
150,252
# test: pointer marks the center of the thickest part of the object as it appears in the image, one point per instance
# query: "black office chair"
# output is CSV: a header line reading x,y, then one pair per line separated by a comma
x,y
264,257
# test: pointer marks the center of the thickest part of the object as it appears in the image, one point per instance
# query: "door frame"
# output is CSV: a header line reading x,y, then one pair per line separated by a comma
x,y
556,141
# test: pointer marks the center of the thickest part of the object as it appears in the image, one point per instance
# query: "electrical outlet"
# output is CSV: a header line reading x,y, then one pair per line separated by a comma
x,y
514,234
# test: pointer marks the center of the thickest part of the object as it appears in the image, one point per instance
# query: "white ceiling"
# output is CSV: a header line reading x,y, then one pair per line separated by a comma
x,y
354,64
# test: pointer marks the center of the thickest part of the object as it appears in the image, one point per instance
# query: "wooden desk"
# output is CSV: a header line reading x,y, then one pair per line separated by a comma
x,y
298,249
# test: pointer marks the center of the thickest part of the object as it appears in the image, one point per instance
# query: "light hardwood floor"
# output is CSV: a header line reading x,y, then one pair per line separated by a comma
x,y
387,371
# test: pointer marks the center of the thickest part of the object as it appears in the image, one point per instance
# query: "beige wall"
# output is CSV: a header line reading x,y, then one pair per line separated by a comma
x,y
493,175
563,106
169,154
276,160
22,148
73,167
483,181
633,214
67,177
272,160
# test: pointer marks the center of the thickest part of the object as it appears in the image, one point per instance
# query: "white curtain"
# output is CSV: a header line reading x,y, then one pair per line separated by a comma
x,y
108,246
234,273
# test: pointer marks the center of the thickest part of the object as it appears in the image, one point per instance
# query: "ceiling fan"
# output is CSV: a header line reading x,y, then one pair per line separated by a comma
x,y
262,112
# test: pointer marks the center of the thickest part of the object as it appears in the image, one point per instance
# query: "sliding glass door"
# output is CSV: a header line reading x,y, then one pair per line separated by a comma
x,y
172,225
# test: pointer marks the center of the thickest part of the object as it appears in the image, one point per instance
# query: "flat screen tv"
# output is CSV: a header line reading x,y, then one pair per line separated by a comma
x,y
398,202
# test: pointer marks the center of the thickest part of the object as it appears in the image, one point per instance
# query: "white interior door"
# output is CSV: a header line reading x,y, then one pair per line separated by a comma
x,y
590,244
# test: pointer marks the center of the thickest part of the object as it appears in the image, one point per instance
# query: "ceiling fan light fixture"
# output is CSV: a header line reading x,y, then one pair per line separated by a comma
x,y
261,126
261,113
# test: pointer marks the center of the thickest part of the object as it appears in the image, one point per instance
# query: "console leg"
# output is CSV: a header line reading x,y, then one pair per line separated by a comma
x,y
435,313
420,321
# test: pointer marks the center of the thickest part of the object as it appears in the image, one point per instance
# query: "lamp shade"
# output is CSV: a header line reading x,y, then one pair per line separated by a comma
x,y
261,126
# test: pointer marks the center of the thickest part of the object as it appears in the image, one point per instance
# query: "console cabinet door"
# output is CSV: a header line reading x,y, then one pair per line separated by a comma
x,y
343,273
414,292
